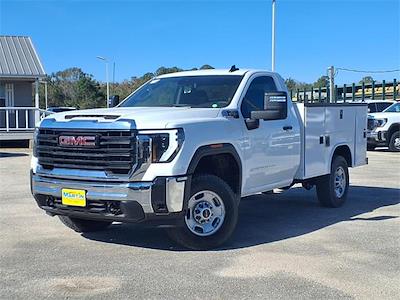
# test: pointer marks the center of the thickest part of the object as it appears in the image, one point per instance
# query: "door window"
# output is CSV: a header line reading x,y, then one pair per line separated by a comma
x,y
255,95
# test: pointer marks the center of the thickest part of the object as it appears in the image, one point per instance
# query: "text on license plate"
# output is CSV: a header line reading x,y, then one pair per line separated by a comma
x,y
73,197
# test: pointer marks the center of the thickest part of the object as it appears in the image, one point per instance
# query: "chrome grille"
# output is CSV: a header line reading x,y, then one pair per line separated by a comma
x,y
115,153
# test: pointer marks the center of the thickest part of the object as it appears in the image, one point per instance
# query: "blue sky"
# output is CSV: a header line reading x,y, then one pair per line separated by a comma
x,y
140,36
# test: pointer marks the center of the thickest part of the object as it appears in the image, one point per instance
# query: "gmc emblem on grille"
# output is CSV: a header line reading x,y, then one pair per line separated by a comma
x,y
79,141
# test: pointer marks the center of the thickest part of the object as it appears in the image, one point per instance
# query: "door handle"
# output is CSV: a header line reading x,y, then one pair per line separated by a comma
x,y
287,128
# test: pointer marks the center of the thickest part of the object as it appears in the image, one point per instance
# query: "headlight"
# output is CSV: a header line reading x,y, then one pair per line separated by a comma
x,y
380,122
164,144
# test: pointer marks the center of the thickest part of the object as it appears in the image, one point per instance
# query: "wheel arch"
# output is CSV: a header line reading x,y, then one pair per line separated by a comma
x,y
344,151
392,129
223,153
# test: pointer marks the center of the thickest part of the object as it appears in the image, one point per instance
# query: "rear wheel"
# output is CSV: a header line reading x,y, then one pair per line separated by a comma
x,y
211,215
80,225
332,188
394,143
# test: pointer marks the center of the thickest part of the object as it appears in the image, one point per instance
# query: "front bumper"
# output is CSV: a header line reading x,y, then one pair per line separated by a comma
x,y
377,137
160,200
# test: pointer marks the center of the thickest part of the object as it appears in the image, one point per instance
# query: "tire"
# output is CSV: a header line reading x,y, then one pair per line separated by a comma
x,y
208,192
394,143
80,225
328,195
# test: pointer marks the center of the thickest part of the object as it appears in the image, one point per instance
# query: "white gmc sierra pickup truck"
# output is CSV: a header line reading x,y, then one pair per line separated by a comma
x,y
384,128
184,148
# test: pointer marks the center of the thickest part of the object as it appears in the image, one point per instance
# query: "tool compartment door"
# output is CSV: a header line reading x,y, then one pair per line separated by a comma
x,y
315,152
360,150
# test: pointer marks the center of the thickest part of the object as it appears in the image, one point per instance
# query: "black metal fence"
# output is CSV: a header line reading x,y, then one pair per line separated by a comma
x,y
361,92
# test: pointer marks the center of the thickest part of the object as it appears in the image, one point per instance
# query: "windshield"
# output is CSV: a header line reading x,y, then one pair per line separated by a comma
x,y
192,91
395,107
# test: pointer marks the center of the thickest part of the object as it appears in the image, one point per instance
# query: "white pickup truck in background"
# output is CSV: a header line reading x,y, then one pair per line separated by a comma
x,y
183,149
384,128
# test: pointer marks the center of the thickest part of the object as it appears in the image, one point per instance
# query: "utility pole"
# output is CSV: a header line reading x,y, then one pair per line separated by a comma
x,y
273,37
113,72
331,70
113,76
108,83
45,94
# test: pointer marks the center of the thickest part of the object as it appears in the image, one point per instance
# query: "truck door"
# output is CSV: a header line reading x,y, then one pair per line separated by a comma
x,y
272,150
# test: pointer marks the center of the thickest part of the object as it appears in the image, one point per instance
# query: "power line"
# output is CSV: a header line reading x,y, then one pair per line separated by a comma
x,y
363,71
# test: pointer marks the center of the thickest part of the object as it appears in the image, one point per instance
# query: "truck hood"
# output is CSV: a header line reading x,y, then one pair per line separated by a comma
x,y
384,115
140,117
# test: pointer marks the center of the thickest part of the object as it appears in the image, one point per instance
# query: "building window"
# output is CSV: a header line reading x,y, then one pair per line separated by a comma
x,y
2,94
6,94
9,95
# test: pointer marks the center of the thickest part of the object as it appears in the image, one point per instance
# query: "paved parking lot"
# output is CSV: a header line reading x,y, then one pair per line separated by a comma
x,y
285,247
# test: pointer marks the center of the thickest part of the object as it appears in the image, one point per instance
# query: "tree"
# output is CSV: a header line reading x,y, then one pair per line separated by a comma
x,y
366,80
164,70
323,81
73,87
206,67
291,84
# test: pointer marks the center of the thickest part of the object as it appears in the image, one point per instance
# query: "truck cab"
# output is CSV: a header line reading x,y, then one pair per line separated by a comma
x,y
183,149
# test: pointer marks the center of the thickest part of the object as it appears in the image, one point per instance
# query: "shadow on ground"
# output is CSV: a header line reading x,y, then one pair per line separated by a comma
x,y
12,154
268,218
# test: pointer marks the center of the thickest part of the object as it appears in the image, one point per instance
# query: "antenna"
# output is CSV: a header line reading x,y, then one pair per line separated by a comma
x,y
233,69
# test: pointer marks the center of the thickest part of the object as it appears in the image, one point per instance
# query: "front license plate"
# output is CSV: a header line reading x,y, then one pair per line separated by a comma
x,y
73,197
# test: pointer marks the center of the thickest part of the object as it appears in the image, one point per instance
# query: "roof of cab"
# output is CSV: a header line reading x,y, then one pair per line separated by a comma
x,y
209,72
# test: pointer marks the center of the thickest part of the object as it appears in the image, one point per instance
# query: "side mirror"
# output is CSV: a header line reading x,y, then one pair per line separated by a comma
x,y
252,123
275,107
114,101
266,114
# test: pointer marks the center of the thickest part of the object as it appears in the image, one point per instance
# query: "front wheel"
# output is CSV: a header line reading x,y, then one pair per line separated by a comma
x,y
211,217
332,188
394,143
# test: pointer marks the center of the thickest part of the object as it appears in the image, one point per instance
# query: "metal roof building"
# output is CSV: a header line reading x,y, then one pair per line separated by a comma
x,y
18,58
20,74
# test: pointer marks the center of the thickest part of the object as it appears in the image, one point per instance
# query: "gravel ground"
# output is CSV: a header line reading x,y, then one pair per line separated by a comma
x,y
285,247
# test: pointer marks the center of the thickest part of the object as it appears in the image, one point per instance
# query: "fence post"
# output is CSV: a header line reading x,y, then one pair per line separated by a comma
x,y
373,90
7,127
305,94
26,119
394,89
344,92
383,90
363,91
335,95
328,94
353,91
312,94
297,95
291,94
16,119
319,94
